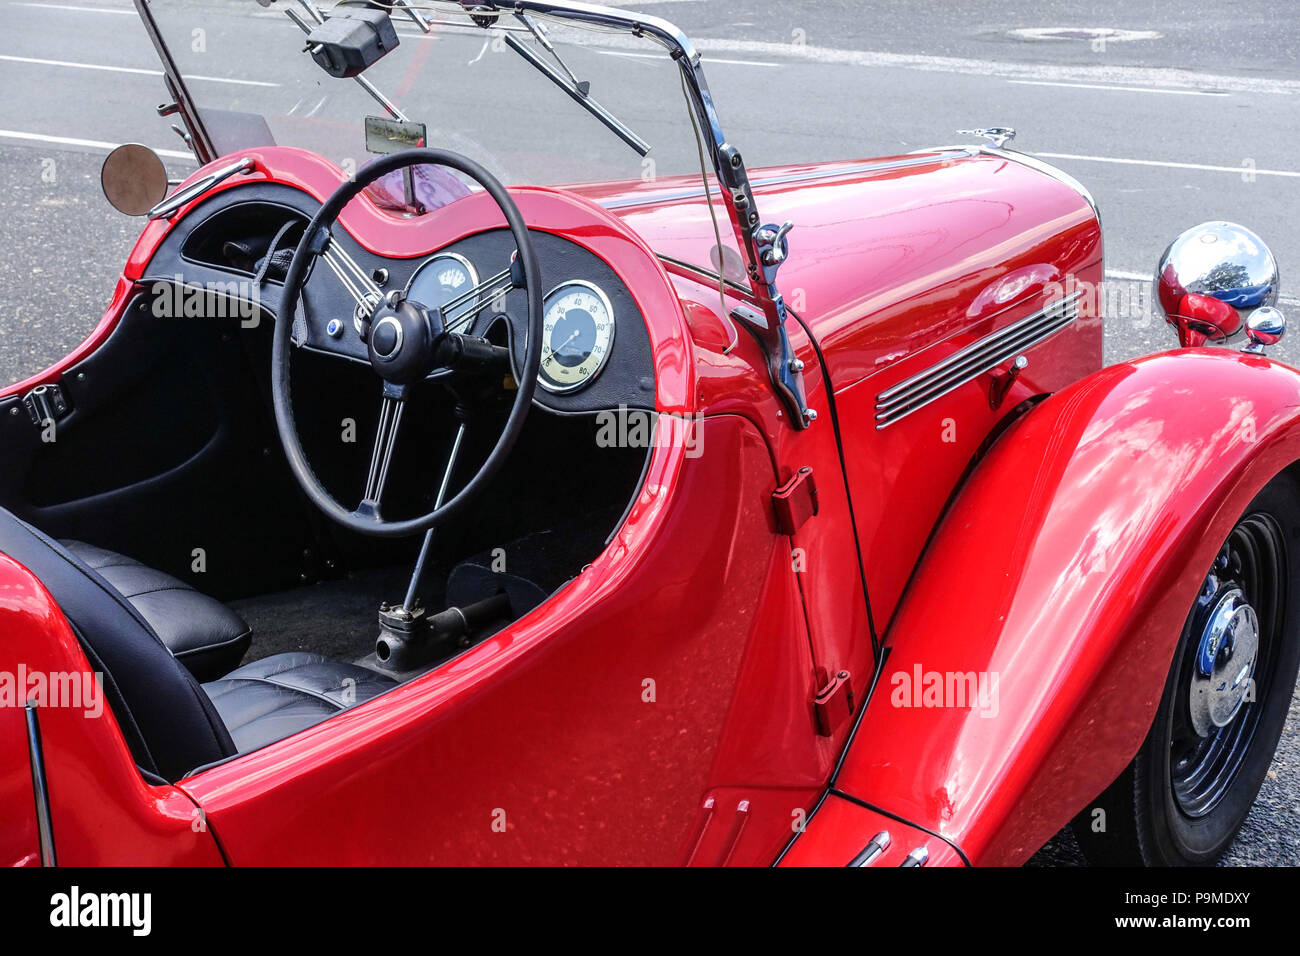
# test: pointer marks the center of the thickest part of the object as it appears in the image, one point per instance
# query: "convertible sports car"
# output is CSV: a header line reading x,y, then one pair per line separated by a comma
x,y
697,513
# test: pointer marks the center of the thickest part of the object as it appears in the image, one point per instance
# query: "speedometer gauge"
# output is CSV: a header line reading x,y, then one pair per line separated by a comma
x,y
441,279
577,333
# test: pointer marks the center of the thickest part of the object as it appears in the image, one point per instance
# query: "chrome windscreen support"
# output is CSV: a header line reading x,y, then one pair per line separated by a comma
x,y
738,198
195,134
773,246
196,189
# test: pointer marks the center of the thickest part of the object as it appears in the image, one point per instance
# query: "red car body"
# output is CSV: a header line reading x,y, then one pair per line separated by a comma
x,y
716,687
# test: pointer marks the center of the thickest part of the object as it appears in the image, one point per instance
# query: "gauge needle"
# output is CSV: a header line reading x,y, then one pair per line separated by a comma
x,y
565,344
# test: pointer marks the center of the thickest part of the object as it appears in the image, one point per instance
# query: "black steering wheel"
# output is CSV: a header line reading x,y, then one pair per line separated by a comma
x,y
407,342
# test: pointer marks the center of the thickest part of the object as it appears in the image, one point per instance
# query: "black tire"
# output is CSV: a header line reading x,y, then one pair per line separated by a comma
x,y
1185,795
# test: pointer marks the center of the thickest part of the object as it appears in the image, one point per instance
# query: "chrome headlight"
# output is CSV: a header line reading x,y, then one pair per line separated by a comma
x,y
1212,279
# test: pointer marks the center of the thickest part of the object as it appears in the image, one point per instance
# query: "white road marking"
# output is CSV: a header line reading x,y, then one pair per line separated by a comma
x,y
1239,170
664,56
63,6
633,56
88,143
1164,77
717,59
1124,89
128,69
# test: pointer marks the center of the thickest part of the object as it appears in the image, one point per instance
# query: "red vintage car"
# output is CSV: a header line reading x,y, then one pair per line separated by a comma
x,y
699,513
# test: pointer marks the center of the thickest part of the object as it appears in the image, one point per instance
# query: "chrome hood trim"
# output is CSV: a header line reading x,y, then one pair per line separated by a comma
x,y
914,393
1024,159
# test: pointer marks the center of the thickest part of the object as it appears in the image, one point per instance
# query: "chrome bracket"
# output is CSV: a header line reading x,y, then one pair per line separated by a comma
x,y
197,188
772,248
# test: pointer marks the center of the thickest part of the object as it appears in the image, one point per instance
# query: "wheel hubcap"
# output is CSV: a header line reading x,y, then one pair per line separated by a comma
x,y
1226,664
1225,661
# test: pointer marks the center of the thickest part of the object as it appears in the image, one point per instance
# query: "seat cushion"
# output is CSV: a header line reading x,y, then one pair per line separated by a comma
x,y
201,632
280,695
168,721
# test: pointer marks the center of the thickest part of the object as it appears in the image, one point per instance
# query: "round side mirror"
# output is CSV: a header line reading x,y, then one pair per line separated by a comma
x,y
133,179
1211,279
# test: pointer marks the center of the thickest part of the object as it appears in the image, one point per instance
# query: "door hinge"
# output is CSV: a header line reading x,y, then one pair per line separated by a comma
x,y
834,704
795,501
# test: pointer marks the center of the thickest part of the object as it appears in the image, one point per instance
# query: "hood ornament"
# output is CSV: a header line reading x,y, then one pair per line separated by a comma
x,y
998,136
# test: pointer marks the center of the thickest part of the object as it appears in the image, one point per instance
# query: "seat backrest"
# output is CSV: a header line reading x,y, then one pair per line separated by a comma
x,y
169,722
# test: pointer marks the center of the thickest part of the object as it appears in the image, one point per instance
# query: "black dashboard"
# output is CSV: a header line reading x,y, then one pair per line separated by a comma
x,y
596,350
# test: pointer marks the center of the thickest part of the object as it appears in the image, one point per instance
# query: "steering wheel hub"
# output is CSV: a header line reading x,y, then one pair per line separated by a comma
x,y
402,338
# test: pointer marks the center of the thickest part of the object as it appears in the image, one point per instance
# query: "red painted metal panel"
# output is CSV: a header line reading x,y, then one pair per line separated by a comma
x,y
841,829
539,745
103,811
1063,575
19,844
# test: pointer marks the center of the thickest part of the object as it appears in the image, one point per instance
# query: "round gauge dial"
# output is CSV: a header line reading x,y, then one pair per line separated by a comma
x,y
577,334
440,279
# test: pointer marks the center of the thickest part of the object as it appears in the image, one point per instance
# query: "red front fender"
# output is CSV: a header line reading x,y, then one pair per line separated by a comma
x,y
1058,582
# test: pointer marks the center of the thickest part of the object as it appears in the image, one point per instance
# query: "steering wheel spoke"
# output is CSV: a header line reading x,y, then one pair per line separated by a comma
x,y
486,294
381,454
360,287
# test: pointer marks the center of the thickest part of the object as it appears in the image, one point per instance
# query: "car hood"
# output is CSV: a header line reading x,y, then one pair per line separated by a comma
x,y
875,239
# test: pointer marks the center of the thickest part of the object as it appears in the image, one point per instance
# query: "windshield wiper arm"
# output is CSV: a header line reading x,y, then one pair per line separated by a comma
x,y
578,90
584,87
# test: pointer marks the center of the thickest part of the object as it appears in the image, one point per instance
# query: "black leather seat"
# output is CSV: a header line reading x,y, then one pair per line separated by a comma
x,y
170,723
201,632
283,694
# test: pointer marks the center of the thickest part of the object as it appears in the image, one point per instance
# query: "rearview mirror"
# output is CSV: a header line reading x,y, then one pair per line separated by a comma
x,y
133,179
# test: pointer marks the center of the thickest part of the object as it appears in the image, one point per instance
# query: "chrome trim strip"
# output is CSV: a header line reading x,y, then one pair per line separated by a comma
x,y
967,363
808,177
982,355
1026,159
704,273
197,188
44,824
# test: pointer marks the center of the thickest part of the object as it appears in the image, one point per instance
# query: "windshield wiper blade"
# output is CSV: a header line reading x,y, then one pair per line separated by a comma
x,y
578,91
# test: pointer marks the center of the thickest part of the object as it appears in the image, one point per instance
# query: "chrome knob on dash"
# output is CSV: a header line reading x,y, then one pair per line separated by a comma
x,y
918,857
876,846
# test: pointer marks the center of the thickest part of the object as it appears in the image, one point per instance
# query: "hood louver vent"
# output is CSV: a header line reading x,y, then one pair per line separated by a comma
x,y
987,353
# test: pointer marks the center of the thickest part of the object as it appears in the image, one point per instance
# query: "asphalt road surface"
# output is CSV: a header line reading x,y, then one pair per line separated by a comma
x,y
1171,112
